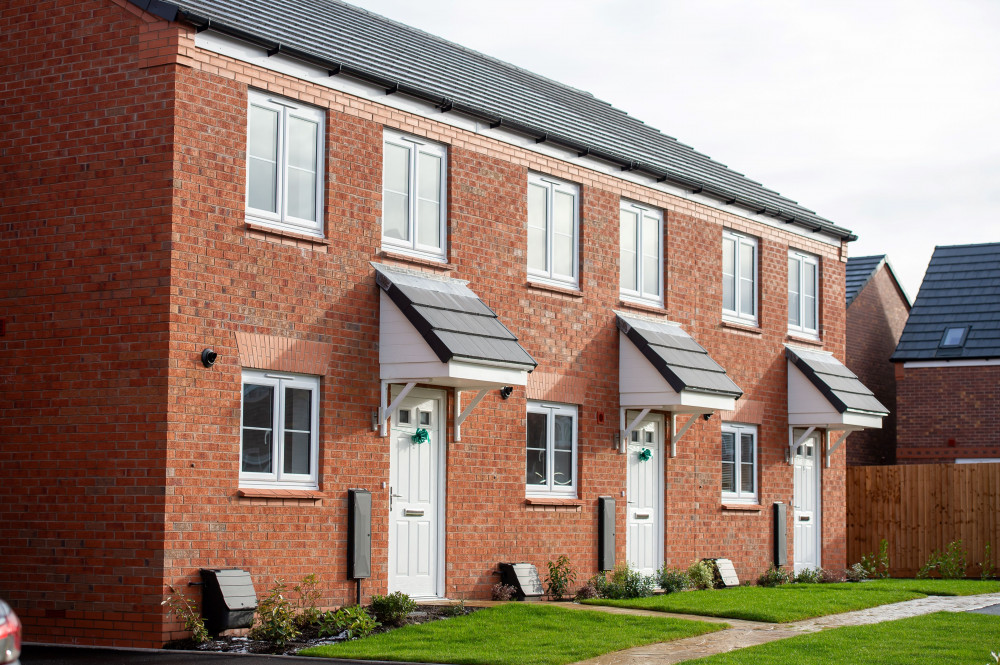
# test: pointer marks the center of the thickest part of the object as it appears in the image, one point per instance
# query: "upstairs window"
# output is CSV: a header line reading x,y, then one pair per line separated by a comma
x,y
641,253
553,231
285,164
739,277
739,463
954,337
803,289
414,196
551,449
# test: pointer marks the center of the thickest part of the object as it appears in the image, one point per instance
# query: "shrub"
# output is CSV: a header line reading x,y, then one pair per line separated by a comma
x,y
856,573
560,576
275,617
393,609
455,610
586,591
672,579
502,591
186,610
949,564
701,574
308,597
986,569
624,583
810,576
830,576
353,621
877,565
773,576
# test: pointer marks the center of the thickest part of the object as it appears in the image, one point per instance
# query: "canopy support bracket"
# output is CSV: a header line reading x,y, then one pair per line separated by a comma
x,y
795,443
676,435
831,448
384,410
626,431
460,415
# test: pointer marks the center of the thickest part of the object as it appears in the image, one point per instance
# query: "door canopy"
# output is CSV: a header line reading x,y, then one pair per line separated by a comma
x,y
823,393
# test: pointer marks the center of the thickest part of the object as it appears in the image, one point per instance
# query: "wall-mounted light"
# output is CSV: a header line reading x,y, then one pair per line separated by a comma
x,y
208,357
506,391
707,416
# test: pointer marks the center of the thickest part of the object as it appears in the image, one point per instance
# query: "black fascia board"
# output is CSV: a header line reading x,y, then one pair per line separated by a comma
x,y
816,380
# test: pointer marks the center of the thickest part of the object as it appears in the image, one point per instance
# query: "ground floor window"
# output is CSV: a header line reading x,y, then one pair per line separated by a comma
x,y
739,462
551,449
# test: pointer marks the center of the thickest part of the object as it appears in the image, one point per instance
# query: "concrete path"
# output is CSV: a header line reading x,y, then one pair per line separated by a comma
x,y
751,633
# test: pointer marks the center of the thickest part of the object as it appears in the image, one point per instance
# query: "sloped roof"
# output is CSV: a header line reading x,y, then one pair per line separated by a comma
x,y
682,362
861,269
961,288
839,385
349,40
452,319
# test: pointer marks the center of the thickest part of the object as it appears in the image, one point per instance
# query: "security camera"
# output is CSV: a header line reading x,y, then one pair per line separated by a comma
x,y
506,391
208,357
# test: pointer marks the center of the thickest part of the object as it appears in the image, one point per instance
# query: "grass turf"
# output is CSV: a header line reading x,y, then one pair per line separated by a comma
x,y
931,639
516,634
793,602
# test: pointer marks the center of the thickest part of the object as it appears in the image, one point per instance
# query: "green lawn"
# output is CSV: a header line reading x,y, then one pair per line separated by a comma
x,y
793,602
931,639
516,634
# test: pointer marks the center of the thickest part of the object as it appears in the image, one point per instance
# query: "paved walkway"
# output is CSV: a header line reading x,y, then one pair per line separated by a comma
x,y
751,633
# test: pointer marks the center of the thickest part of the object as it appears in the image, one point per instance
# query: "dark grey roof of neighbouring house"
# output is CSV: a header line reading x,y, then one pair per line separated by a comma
x,y
349,40
861,269
839,385
452,319
961,288
679,359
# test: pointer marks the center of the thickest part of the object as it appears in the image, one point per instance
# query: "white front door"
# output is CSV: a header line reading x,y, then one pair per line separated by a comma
x,y
416,504
644,520
806,508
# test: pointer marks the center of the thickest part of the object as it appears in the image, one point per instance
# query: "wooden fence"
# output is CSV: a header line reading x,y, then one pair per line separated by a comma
x,y
923,507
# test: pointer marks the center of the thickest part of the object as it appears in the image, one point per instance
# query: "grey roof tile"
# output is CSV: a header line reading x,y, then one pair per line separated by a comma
x,y
961,288
859,270
680,360
452,319
378,49
838,384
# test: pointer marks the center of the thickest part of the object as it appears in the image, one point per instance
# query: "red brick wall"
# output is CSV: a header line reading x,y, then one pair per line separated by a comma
x,y
947,413
85,152
220,278
875,320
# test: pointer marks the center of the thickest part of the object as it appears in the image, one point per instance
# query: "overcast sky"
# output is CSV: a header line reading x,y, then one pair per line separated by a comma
x,y
882,116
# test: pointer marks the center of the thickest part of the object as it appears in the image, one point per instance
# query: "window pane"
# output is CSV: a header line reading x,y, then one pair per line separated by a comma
x,y
256,451
650,255
809,289
536,449
729,274
747,279
728,462
563,433
302,171
562,472
296,452
562,255
746,463
537,248
629,221
793,292
429,200
302,143
262,165
301,194
396,215
258,402
563,233
298,408
429,223
262,141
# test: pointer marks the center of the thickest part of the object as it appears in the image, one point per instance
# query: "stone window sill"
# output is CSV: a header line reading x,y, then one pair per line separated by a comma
x,y
552,288
802,339
743,327
747,507
651,307
272,234
265,493
546,501
416,260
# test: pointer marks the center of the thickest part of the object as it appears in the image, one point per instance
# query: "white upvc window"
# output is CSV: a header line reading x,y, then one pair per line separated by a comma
x,y
739,463
414,196
279,430
739,277
641,253
284,164
553,231
803,292
551,449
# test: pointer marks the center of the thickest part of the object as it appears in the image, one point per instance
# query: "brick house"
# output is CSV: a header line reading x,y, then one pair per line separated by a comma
x,y
948,360
251,263
877,307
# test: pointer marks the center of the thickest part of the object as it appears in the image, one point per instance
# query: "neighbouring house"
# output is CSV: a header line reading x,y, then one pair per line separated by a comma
x,y
948,360
877,307
255,259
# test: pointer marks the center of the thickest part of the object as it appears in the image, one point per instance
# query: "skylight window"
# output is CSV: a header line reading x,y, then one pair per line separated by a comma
x,y
954,336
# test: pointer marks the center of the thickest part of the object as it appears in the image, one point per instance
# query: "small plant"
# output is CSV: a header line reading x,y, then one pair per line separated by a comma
x,y
986,569
275,617
501,591
672,579
949,564
810,576
773,576
353,622
624,583
830,576
586,592
702,575
186,610
308,597
457,610
560,576
877,565
856,573
393,609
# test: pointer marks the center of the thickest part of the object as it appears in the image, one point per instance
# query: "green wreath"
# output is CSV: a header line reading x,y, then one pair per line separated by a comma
x,y
645,454
421,436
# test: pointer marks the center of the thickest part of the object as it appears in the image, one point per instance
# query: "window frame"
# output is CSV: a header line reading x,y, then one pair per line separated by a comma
x,y
416,146
548,276
803,259
278,479
641,294
737,315
550,489
740,495
281,219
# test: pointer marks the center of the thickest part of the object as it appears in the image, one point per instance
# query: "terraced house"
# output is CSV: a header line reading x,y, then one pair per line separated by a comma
x,y
259,254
